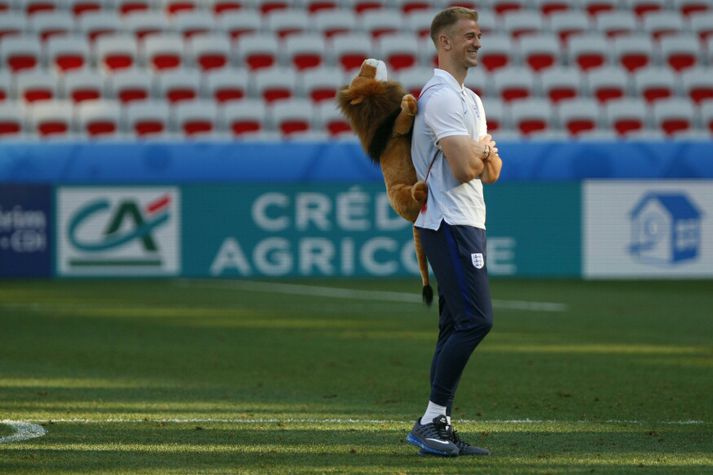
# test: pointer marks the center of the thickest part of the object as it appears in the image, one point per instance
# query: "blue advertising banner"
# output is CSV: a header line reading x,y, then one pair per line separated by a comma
x,y
256,230
25,231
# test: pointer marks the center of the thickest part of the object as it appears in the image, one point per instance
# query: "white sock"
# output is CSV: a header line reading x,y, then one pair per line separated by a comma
x,y
448,418
432,411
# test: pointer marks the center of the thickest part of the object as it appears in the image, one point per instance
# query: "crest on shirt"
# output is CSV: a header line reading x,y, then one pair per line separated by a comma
x,y
478,260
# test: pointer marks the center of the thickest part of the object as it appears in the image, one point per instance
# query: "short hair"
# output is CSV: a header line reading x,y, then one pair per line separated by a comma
x,y
449,17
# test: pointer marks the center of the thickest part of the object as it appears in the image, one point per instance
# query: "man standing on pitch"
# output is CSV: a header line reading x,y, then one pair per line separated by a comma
x,y
453,153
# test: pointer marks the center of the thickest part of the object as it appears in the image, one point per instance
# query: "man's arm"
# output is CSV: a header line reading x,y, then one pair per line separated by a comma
x,y
469,159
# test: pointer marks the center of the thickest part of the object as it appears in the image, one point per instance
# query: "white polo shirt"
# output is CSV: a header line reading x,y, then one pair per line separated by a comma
x,y
446,108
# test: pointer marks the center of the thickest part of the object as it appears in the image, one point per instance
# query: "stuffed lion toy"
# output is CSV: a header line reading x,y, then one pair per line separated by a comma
x,y
381,114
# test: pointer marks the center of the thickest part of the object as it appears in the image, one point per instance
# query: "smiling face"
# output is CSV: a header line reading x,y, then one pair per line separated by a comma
x,y
464,43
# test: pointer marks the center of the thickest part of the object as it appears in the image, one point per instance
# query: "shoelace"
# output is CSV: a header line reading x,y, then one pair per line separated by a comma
x,y
458,441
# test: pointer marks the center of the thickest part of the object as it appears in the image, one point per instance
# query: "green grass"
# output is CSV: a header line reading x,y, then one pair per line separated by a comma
x,y
200,376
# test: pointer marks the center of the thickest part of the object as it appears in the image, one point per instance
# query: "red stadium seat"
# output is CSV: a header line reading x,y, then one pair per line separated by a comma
x,y
245,118
125,7
239,24
131,85
654,84
674,116
381,22
47,24
579,116
210,51
173,7
305,51
275,84
52,119
616,23
596,7
633,51
662,23
517,23
334,22
96,24
505,6
532,116
179,85
561,83
197,119
193,22
294,116
36,86
163,51
513,84
642,7
608,84
497,52
413,79
332,120
697,84
285,23
691,8
680,51
626,116
399,51
99,119
67,53
147,119
12,125
702,25
12,24
568,23
226,85
322,83
551,7
146,23
539,51
33,7
20,53
351,50
116,51
83,85
258,51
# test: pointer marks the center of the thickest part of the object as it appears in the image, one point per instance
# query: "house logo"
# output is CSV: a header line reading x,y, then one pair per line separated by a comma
x,y
118,231
665,229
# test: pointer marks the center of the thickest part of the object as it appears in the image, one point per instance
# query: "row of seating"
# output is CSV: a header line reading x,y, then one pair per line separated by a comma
x,y
337,21
593,7
304,51
102,119
559,84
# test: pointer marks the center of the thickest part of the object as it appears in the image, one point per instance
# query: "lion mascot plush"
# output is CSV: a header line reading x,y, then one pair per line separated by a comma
x,y
381,114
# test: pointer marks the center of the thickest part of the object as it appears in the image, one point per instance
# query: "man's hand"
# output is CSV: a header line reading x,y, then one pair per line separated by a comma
x,y
492,164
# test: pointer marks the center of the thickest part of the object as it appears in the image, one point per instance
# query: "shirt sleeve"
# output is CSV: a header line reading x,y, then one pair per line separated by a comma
x,y
443,114
483,125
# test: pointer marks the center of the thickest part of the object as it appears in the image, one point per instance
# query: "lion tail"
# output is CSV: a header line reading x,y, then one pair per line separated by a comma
x,y
427,292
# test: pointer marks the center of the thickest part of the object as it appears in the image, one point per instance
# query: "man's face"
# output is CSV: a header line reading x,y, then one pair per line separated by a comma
x,y
465,40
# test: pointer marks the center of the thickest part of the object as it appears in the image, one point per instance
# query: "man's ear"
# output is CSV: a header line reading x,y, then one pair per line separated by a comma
x,y
444,41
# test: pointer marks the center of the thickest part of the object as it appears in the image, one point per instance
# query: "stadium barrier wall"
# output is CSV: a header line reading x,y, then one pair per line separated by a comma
x,y
320,210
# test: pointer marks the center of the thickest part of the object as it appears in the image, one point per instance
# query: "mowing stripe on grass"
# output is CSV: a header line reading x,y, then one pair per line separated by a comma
x,y
357,294
341,421
23,431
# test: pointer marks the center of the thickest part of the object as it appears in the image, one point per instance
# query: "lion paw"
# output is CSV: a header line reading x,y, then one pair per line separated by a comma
x,y
409,104
419,191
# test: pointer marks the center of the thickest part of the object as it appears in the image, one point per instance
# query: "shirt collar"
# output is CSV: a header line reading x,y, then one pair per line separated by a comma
x,y
448,77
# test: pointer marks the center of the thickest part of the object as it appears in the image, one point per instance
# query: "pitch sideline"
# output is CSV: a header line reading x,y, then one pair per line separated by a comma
x,y
23,431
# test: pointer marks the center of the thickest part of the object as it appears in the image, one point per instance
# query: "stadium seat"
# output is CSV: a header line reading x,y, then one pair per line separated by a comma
x,y
226,85
275,84
144,24
244,118
287,22
67,53
99,119
561,83
377,23
680,51
178,85
316,6
418,23
127,7
702,25
267,6
83,85
350,50
6,86
147,119
209,51
95,24
34,7
662,23
47,24
399,51
488,22
21,52
588,51
608,84
633,51
294,116
177,7
596,7
517,23
626,116
497,52
539,51
643,7
52,119
513,84
222,7
697,84
12,124
332,121
322,83
691,8
502,7
258,51
597,135
568,23
654,84
193,22
36,85
305,50
496,116
12,24
334,22
163,51
478,81
197,119
79,8
413,79
131,85
531,116
674,116
616,23
362,6
115,52
407,7
238,24
707,116
550,7
579,116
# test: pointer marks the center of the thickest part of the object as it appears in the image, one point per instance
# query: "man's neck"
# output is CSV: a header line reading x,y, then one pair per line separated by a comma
x,y
458,74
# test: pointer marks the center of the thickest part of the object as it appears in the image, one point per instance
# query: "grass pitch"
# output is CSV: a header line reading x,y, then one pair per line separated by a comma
x,y
215,377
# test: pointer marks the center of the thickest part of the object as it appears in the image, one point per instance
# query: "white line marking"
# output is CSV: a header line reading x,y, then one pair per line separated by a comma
x,y
23,431
347,421
357,294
